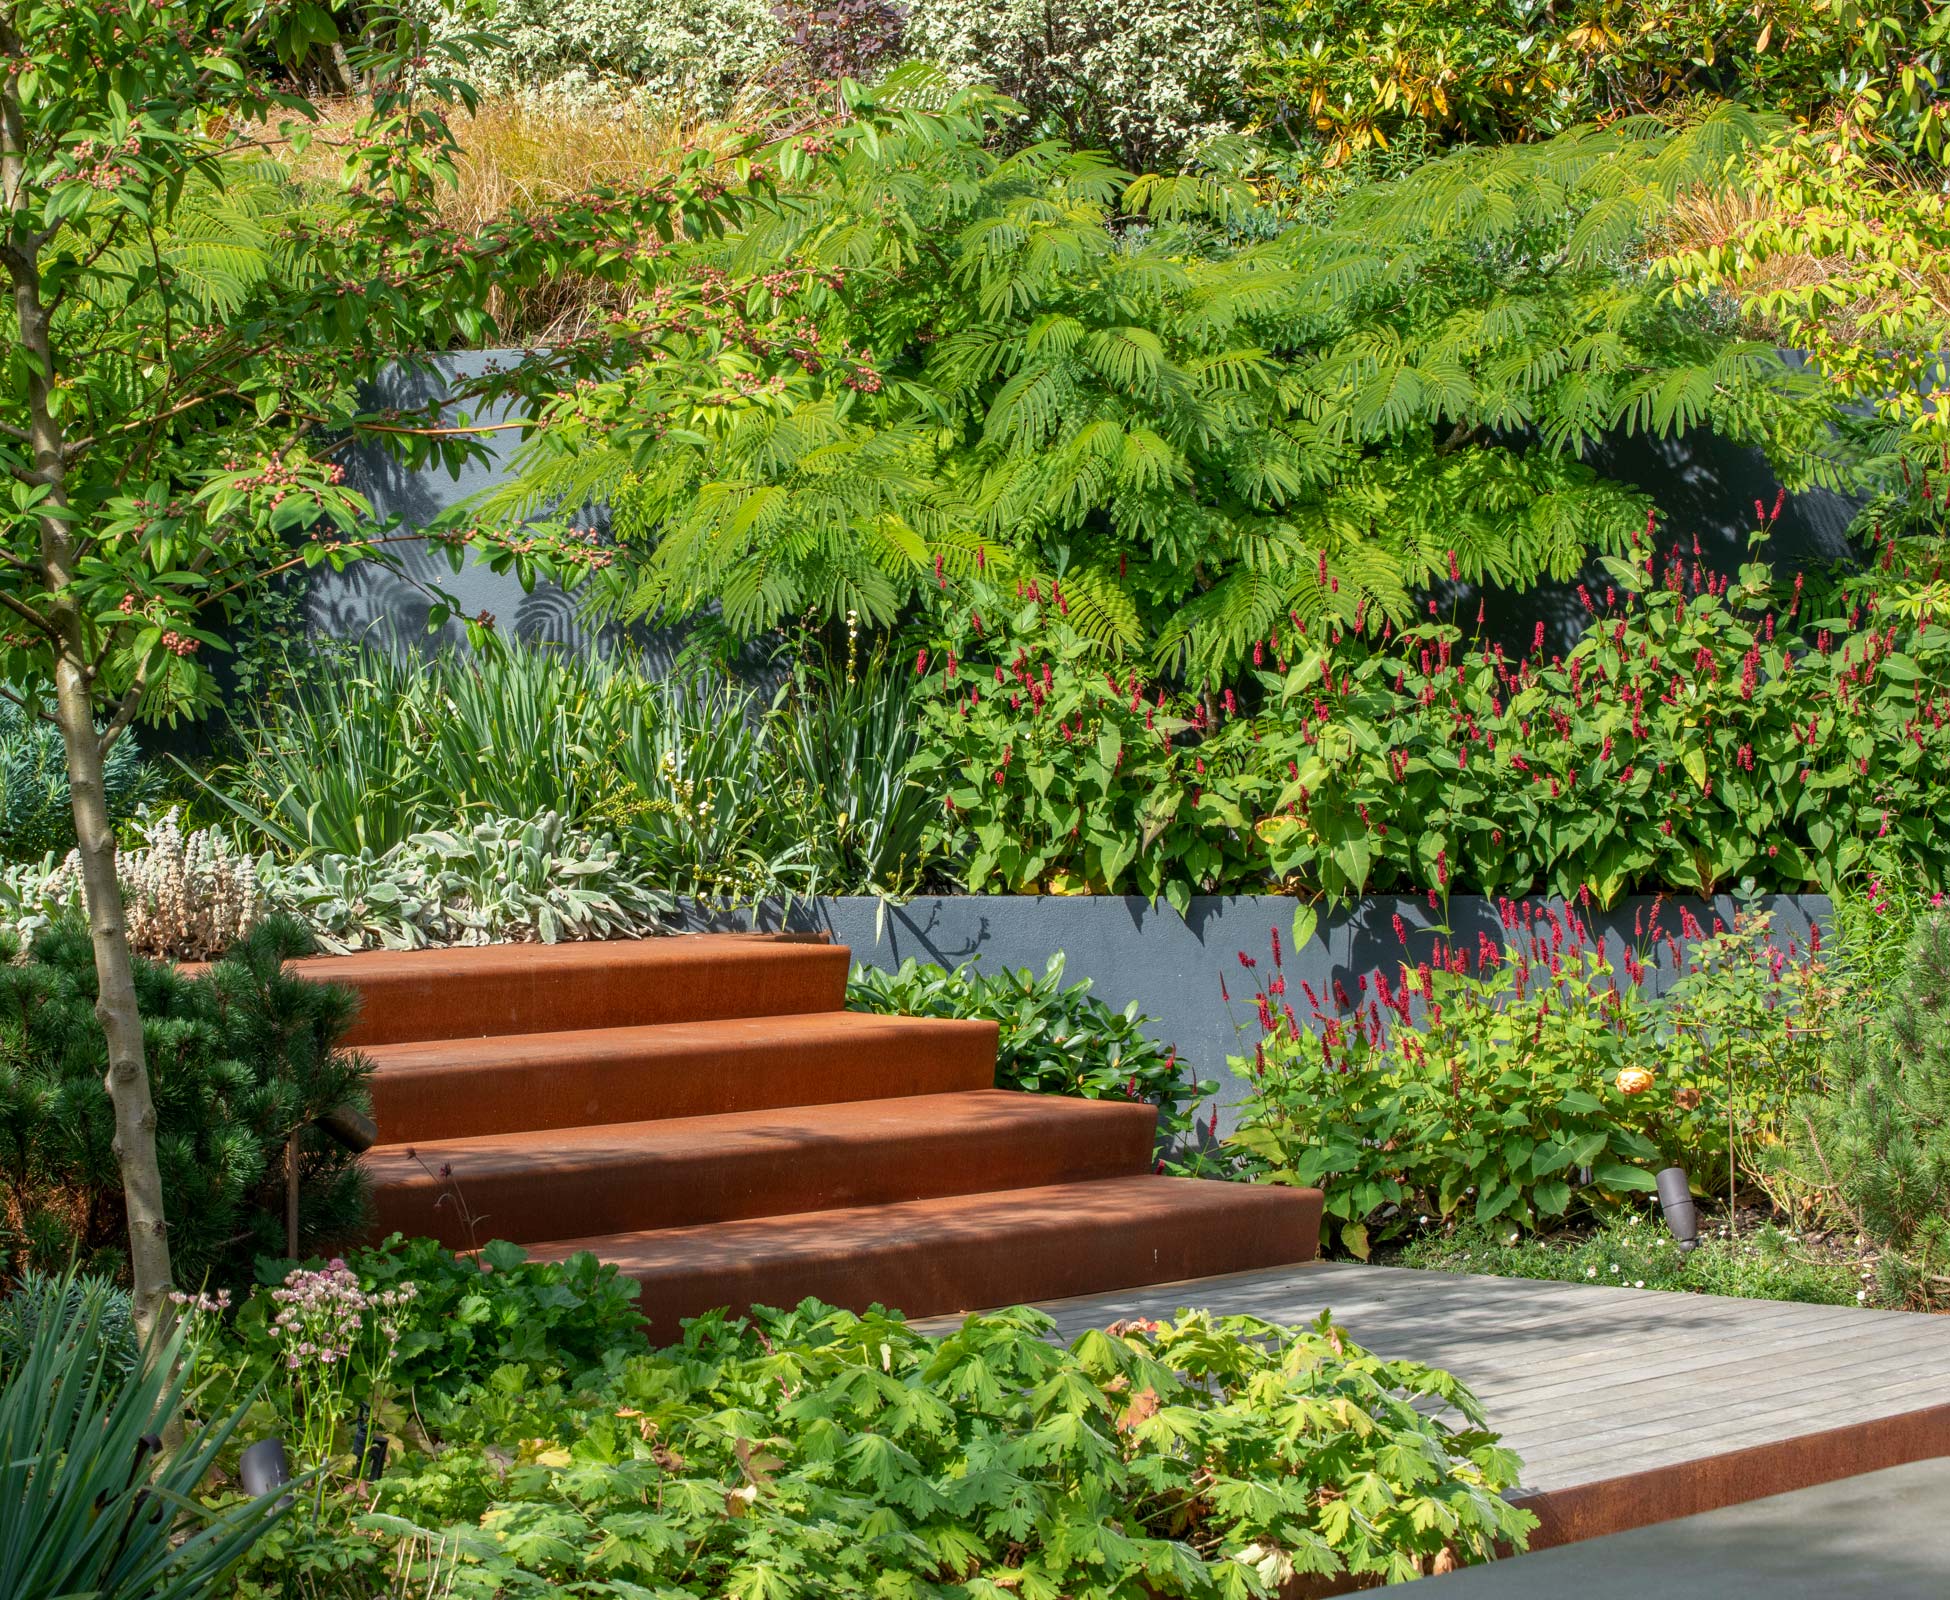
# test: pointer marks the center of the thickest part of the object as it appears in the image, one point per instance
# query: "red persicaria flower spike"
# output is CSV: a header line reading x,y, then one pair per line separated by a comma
x,y
1455,572
976,618
920,662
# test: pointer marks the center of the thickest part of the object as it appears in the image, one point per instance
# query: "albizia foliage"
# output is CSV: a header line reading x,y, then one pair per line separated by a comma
x,y
928,356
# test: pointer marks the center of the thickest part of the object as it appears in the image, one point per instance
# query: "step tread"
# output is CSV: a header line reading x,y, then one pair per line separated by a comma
x,y
482,991
662,1038
521,959
964,1251
775,1133
510,1083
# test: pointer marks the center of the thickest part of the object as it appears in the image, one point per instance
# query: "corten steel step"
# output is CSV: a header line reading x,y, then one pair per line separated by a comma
x,y
493,990
455,1088
701,1110
966,1251
674,1173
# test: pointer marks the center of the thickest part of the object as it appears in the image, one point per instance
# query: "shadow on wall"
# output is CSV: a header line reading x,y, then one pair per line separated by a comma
x,y
371,601
1705,487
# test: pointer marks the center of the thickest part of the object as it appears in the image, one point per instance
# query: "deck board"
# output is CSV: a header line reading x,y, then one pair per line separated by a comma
x,y
1591,1383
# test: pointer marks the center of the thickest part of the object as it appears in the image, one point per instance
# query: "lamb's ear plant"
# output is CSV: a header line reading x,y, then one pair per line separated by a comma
x,y
90,1503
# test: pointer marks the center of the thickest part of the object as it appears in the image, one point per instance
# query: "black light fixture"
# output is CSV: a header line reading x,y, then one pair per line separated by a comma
x,y
1676,1200
368,1445
263,1468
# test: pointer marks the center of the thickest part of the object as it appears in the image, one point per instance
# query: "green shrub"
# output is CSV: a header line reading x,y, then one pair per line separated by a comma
x,y
816,1452
1050,1039
1197,425
491,880
38,1298
1530,1080
1874,1147
1638,1253
36,815
473,1314
1354,73
1051,773
1689,740
1492,1095
237,1058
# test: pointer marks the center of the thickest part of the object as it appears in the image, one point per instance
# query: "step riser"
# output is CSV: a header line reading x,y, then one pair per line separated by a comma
x,y
722,1179
570,1080
513,989
1007,1267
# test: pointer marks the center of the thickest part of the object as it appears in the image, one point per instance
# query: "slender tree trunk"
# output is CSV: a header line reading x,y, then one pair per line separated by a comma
x,y
115,1003
74,707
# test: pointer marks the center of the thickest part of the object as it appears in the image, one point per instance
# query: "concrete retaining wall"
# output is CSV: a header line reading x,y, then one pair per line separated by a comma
x,y
1171,966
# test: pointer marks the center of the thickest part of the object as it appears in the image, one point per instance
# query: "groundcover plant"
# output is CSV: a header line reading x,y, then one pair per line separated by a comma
x,y
816,1451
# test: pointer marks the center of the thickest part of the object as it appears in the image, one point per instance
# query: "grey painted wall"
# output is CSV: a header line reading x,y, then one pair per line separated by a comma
x,y
368,600
1171,966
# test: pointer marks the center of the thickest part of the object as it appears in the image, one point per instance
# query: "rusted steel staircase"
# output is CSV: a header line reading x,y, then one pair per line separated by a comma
x,y
701,1111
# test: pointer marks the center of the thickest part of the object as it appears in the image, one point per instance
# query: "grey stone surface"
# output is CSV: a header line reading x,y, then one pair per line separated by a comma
x,y
1882,1536
1172,967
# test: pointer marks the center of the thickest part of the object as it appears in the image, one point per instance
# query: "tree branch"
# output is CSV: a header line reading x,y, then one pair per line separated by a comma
x,y
126,710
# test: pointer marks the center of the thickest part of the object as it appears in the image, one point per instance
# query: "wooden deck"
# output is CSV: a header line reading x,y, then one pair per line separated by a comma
x,y
1628,1406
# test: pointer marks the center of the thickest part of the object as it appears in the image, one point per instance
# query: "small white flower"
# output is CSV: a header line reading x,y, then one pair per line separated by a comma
x,y
1513,1238
1638,1283
1591,1272
1424,1221
1614,1266
1861,1296
1637,1220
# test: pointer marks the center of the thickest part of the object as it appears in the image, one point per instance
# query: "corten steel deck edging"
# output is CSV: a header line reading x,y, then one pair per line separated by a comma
x,y
1710,1483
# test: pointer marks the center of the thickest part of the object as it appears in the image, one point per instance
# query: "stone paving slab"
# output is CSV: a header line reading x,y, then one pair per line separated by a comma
x,y
1882,1536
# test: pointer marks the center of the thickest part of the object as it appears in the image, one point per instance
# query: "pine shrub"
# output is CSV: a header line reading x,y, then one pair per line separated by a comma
x,y
1877,1142
238,1057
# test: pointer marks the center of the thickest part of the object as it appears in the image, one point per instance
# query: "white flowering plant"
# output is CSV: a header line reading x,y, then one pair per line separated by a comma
x,y
336,1343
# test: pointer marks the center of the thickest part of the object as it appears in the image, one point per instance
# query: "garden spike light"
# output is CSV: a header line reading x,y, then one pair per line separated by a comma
x,y
1676,1199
